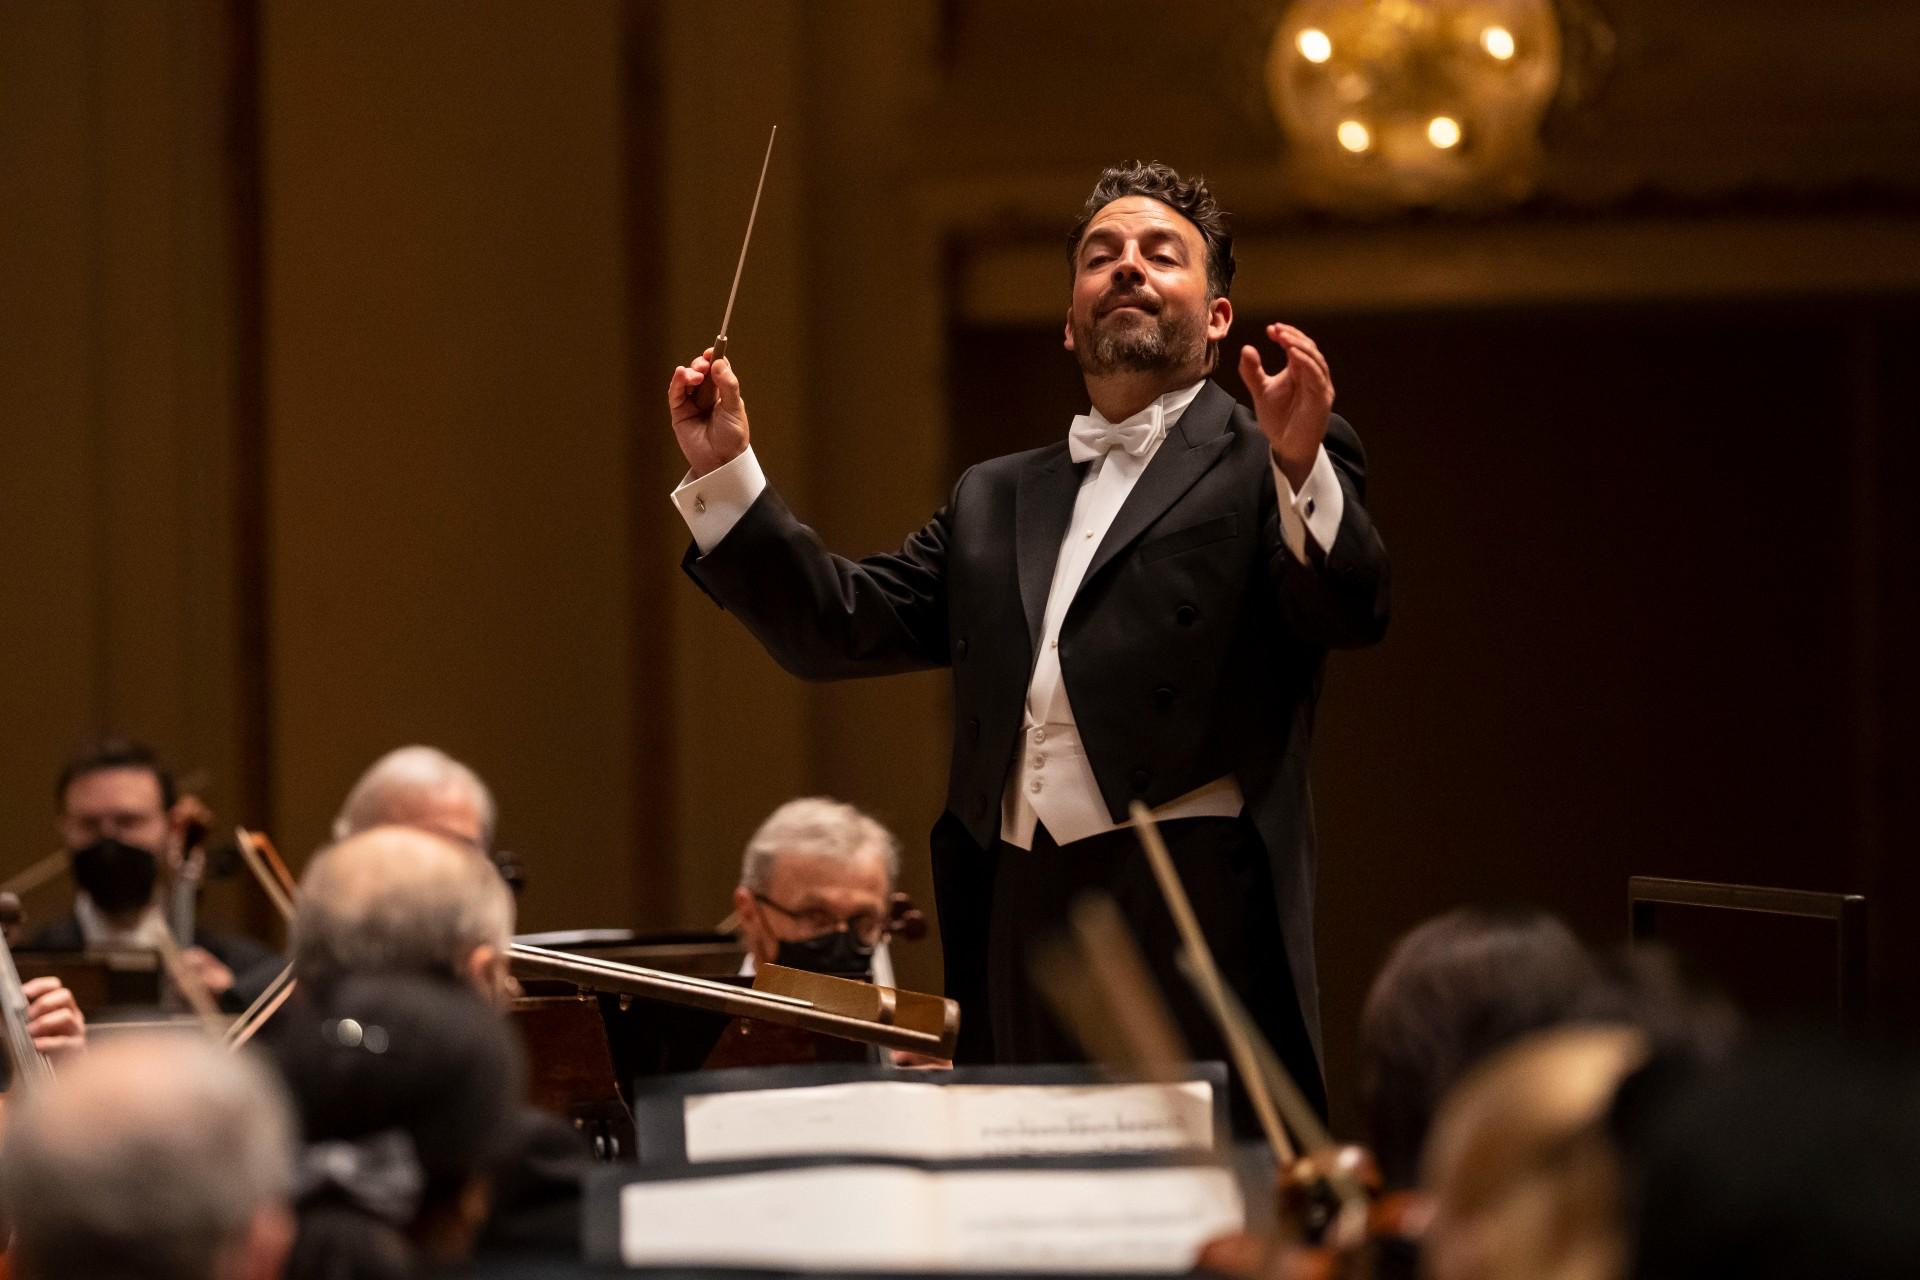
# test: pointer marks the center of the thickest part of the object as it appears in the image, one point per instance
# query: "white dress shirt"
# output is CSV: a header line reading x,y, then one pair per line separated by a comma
x,y
149,932
1053,780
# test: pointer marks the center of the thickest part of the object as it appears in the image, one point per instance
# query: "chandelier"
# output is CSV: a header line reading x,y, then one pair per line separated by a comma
x,y
1402,102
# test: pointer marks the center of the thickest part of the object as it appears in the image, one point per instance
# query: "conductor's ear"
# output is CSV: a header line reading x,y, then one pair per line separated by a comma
x,y
1069,328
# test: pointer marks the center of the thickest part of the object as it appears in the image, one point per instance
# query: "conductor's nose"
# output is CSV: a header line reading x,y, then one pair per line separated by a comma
x,y
1127,268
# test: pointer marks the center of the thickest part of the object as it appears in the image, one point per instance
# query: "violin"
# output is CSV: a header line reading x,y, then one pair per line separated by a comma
x,y
195,821
1333,1218
905,920
1335,1223
30,1067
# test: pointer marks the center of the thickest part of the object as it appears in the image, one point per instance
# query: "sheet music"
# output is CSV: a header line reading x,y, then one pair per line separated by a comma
x,y
956,1121
889,1218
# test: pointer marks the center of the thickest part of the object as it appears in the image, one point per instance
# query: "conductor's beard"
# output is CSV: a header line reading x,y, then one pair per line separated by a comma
x,y
1131,332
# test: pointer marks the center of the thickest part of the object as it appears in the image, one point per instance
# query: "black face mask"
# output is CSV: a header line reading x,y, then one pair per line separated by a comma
x,y
117,876
838,954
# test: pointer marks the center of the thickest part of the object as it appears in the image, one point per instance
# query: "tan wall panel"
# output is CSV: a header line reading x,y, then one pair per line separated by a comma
x,y
46,594
449,429
740,724
876,399
117,609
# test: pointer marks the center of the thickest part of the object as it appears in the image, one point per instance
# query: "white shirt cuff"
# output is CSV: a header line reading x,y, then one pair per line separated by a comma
x,y
1315,510
714,503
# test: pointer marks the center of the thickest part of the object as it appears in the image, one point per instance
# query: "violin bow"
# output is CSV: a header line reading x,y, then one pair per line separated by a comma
x,y
275,883
188,983
1098,985
265,1005
1245,1061
35,874
277,865
281,889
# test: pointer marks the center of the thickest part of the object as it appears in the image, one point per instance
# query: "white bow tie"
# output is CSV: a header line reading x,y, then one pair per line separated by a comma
x,y
1091,435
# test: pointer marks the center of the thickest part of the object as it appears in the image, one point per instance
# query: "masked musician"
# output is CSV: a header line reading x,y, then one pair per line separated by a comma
x,y
814,890
124,828
1139,611
155,1157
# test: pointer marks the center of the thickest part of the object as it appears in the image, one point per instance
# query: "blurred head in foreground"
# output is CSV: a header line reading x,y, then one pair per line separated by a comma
x,y
399,900
1522,1166
406,1088
1798,1159
1451,992
154,1157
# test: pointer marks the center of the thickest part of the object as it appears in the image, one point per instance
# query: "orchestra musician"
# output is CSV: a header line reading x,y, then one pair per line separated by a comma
x,y
123,824
157,1156
420,786
424,787
398,901
816,891
1138,611
815,884
407,1089
1453,991
402,900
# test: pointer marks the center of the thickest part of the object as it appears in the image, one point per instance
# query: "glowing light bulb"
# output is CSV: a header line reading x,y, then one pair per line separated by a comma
x,y
1443,132
1313,44
1498,42
1353,136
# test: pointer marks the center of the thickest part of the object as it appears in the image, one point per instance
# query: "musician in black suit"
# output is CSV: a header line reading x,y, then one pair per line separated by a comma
x,y
1139,611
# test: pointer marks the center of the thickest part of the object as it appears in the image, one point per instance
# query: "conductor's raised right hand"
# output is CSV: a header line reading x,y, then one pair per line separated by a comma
x,y
708,437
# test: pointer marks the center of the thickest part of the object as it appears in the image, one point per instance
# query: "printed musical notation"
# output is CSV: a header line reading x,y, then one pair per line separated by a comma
x,y
946,1122
896,1218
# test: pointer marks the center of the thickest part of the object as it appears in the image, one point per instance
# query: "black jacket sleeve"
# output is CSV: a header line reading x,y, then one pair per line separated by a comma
x,y
821,615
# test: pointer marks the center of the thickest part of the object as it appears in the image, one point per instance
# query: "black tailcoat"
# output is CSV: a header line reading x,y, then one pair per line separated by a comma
x,y
1193,648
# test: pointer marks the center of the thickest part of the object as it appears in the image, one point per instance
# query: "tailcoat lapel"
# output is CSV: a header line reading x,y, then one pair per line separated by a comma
x,y
1196,442
1042,506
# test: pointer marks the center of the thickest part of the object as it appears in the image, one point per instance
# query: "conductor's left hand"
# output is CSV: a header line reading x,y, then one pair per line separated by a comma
x,y
1292,405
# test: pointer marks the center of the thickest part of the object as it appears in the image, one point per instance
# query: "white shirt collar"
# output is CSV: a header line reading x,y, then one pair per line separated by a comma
x,y
97,933
1171,405
1157,418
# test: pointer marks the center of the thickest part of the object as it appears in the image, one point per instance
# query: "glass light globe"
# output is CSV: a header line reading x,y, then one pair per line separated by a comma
x,y
1449,95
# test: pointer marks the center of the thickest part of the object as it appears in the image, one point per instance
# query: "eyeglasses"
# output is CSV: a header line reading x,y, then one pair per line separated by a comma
x,y
866,927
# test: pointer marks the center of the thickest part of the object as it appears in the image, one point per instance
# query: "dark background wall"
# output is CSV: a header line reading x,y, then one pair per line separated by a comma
x,y
334,340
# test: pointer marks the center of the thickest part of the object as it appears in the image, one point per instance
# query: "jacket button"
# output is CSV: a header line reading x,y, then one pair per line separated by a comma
x,y
1140,780
1186,615
973,730
960,649
1163,696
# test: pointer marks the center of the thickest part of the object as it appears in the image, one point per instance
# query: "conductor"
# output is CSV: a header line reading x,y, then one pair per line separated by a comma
x,y
1139,610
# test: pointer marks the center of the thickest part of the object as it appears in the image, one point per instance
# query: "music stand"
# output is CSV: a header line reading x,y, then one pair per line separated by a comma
x,y
1790,952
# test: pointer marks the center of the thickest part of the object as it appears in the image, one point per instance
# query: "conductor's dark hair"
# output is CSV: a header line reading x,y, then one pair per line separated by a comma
x,y
1453,991
115,753
1187,197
